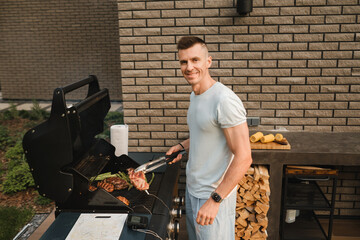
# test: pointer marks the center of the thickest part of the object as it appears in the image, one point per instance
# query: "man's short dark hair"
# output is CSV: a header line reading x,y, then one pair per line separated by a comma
x,y
188,42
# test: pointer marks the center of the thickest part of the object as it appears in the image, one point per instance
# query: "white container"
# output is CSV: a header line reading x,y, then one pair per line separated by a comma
x,y
119,138
290,216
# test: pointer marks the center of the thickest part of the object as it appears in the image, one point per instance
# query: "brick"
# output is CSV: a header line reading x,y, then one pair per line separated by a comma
x,y
305,72
228,12
324,28
343,2
290,97
276,55
175,31
262,63
124,14
164,104
204,12
275,105
337,54
305,88
128,81
161,39
132,40
160,5
248,38
146,14
322,46
354,121
139,135
184,89
326,10
292,46
351,9
261,113
248,21
163,135
162,73
189,22
148,81
346,128
262,46
349,63
251,105
233,64
218,38
322,63
133,57
131,120
355,88
233,29
218,4
310,2
149,97
233,47
333,105
130,112
126,49
151,142
146,31
221,55
336,72
261,97
263,29
233,80
134,73
175,112
131,6
160,22
308,37
125,32
221,21
348,80
163,120
304,105
162,89
247,89
309,19
132,23
317,128
292,63
321,80
220,72
289,113
247,55
127,65
340,19
332,121
151,127
318,113
276,72
267,11
291,80
175,13
185,4
320,97
261,80
176,127
293,28
276,89
334,88
247,72
133,105
274,121
161,56
350,28
204,30
147,65
129,97
347,113
355,71
278,38
174,80
279,2
302,121
293,11
176,97
339,37
135,89
171,64
279,20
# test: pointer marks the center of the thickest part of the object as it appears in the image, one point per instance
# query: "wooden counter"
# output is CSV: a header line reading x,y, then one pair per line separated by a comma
x,y
307,148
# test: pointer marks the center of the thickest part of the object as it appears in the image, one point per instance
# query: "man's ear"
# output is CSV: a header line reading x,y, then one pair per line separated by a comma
x,y
209,62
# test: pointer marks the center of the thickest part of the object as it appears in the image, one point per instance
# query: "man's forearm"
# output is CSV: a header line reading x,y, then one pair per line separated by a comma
x,y
186,144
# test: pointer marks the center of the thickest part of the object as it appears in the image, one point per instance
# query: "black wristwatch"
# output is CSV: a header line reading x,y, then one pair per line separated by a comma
x,y
216,197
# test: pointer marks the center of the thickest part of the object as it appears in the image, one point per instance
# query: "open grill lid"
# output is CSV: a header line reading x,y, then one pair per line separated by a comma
x,y
65,138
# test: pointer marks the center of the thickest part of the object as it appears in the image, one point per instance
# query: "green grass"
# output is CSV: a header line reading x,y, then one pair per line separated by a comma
x,y
12,220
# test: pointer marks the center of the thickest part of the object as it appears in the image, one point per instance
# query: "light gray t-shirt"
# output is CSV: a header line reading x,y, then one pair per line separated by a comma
x,y
209,156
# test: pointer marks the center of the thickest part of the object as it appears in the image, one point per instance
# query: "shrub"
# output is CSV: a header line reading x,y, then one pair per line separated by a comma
x,y
12,219
18,178
15,155
111,119
11,113
40,200
5,139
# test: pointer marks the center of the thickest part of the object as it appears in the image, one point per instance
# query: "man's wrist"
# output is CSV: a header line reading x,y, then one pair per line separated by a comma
x,y
216,197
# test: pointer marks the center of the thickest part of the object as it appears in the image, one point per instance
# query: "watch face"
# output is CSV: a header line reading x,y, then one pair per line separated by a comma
x,y
216,197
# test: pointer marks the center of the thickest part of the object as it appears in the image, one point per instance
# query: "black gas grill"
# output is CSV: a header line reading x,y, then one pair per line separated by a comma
x,y
64,154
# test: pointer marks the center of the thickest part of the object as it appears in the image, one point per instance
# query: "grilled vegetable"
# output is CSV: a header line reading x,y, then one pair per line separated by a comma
x,y
279,137
256,137
268,138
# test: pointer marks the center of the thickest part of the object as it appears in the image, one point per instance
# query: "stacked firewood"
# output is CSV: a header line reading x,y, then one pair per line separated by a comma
x,y
252,204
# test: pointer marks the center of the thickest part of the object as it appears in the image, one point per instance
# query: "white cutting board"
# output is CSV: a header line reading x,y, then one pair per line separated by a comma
x,y
97,226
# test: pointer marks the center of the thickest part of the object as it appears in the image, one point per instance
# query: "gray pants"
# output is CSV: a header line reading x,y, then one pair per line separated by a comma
x,y
224,224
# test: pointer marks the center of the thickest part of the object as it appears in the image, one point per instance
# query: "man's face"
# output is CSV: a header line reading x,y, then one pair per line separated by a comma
x,y
194,63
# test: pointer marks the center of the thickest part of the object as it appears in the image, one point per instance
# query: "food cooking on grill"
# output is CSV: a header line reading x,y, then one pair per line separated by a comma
x,y
92,188
118,182
138,179
124,200
106,186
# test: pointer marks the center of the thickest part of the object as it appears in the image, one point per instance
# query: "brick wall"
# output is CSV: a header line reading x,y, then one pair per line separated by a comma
x,y
294,63
47,44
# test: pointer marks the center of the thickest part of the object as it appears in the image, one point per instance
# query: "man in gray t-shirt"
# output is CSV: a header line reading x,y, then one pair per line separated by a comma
x,y
218,146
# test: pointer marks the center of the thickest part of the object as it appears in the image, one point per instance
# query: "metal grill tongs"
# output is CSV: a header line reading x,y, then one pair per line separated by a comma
x,y
150,166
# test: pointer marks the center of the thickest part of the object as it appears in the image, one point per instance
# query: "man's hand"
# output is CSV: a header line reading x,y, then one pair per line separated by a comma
x,y
176,148
207,212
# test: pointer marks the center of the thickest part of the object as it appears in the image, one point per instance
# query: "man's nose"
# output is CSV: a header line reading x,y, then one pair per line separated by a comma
x,y
189,67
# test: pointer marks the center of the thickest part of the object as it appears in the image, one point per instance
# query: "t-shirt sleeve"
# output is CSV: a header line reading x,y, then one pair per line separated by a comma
x,y
231,112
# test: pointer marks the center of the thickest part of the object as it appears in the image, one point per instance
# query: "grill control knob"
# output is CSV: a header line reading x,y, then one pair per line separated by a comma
x,y
179,201
176,213
174,228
